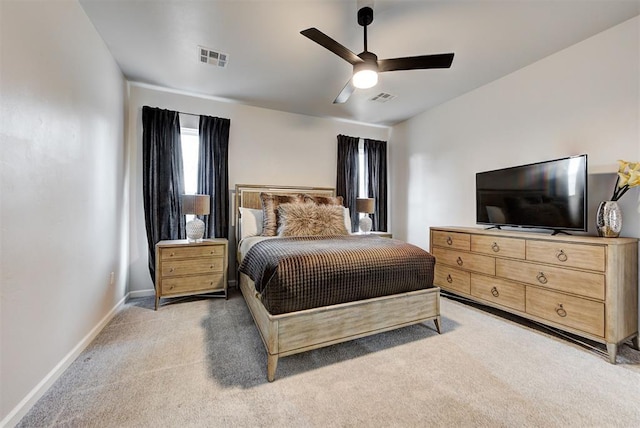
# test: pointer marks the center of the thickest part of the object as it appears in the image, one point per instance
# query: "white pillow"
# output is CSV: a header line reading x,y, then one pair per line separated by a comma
x,y
347,220
250,222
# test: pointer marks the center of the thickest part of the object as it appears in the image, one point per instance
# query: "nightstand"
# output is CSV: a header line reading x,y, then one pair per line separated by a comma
x,y
381,234
186,268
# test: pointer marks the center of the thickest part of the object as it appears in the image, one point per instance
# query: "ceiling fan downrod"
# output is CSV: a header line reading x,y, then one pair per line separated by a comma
x,y
365,17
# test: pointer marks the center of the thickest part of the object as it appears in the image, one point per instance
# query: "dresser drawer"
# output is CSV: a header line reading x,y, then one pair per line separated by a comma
x,y
498,246
564,254
192,266
466,261
191,252
452,279
581,314
455,240
586,284
500,291
192,284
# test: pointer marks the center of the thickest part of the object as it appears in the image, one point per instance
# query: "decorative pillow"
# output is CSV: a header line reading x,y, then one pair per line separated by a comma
x,y
330,220
311,220
297,219
250,222
270,204
324,200
347,219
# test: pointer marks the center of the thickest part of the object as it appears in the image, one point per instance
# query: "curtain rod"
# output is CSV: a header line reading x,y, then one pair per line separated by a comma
x,y
190,114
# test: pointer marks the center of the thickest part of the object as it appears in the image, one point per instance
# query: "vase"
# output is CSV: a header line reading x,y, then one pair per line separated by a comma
x,y
609,219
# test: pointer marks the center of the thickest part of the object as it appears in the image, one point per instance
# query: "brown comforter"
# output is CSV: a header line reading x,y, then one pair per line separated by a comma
x,y
293,274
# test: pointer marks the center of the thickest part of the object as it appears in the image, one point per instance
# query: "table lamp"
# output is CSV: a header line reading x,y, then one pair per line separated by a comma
x,y
196,205
366,206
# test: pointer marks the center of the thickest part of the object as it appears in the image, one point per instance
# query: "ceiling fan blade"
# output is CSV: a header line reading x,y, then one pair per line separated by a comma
x,y
416,62
346,92
327,42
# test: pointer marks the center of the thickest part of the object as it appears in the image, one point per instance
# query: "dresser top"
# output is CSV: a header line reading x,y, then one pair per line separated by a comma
x,y
546,236
180,242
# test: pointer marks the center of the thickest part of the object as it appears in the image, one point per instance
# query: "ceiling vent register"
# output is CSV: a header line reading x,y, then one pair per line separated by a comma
x,y
382,97
209,56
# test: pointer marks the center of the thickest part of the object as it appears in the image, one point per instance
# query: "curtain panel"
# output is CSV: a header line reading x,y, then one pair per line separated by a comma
x,y
162,179
347,175
213,173
376,161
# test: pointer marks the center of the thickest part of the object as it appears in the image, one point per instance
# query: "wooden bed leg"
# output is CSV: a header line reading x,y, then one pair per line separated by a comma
x,y
436,321
272,365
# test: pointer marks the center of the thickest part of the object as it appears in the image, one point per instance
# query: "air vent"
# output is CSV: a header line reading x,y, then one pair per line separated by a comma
x,y
382,97
215,58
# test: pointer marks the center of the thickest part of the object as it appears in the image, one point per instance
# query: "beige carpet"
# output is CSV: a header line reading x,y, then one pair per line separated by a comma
x,y
201,362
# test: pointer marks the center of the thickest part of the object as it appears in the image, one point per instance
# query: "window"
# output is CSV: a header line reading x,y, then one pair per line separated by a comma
x,y
362,172
190,142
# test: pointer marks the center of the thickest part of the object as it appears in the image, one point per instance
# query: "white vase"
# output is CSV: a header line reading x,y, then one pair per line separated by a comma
x,y
609,219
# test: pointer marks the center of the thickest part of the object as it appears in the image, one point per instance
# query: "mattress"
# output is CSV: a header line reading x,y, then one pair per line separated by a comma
x,y
298,273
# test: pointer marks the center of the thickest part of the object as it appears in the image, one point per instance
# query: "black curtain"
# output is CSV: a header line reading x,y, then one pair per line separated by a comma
x,y
347,175
375,153
162,179
213,173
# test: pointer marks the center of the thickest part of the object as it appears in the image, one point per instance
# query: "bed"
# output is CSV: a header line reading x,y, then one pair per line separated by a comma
x,y
289,329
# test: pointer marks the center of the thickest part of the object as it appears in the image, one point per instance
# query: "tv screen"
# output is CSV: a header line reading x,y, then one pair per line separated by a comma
x,y
550,195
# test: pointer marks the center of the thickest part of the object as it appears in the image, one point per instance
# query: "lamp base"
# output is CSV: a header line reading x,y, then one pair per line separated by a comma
x,y
365,224
195,230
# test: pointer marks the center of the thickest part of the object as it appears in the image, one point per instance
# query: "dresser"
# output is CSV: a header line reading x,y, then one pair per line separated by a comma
x,y
185,268
584,285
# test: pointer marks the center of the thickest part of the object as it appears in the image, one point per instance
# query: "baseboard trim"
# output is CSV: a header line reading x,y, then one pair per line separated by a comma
x,y
142,293
41,388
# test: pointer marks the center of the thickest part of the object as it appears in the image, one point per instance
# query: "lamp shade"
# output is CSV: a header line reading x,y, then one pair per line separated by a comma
x,y
196,204
365,205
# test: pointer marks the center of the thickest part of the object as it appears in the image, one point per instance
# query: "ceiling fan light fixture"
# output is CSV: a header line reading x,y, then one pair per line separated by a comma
x,y
365,75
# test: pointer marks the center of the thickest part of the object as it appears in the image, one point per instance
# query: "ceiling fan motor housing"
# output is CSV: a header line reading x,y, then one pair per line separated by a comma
x,y
365,16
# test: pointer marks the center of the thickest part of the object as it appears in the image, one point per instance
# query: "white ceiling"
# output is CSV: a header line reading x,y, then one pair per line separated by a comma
x,y
271,65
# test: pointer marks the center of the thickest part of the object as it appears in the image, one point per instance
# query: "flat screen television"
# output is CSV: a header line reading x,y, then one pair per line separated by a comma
x,y
547,195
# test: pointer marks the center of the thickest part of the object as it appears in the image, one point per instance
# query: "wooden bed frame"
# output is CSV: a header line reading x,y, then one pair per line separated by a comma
x,y
295,332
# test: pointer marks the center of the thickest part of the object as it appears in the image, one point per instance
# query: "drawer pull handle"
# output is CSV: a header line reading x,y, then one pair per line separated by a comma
x,y
170,269
541,278
449,279
449,240
561,311
459,261
495,247
562,256
495,292
172,254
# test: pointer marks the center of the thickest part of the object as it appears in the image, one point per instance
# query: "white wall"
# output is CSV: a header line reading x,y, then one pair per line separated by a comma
x,y
63,217
585,99
265,147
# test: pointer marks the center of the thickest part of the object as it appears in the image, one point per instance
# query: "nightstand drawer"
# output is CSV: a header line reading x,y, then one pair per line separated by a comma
x,y
454,240
466,261
590,257
581,314
500,291
192,266
498,246
452,279
586,284
192,252
192,284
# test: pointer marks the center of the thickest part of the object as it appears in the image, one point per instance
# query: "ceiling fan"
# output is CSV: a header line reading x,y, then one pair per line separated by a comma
x,y
366,65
